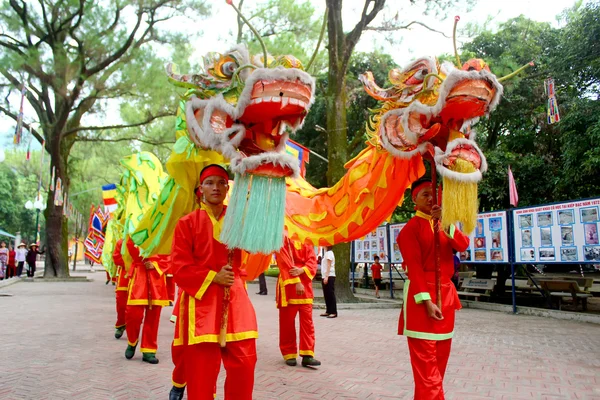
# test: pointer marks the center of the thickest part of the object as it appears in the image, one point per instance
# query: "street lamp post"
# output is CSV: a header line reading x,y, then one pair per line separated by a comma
x,y
39,205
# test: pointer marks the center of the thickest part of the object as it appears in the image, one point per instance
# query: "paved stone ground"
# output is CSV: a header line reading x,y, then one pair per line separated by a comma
x,y
56,343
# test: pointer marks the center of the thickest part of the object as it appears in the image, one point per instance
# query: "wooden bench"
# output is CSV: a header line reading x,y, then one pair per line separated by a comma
x,y
470,284
558,289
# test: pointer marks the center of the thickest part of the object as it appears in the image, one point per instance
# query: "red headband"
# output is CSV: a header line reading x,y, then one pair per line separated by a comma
x,y
415,190
213,170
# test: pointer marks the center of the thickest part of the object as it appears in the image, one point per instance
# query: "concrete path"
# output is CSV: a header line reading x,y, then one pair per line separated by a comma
x,y
56,342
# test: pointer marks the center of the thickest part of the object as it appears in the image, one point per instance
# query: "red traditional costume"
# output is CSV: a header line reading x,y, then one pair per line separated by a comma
x,y
145,283
429,340
121,290
290,303
197,257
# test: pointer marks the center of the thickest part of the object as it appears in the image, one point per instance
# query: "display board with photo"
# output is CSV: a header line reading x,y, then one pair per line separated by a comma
x,y
489,241
396,256
373,244
561,232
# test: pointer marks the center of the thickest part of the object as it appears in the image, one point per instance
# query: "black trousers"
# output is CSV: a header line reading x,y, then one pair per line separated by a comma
x,y
329,294
20,267
31,270
262,283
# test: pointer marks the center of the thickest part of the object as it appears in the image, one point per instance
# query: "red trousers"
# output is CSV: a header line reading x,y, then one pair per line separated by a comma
x,y
287,331
429,359
121,296
178,376
170,287
134,317
203,362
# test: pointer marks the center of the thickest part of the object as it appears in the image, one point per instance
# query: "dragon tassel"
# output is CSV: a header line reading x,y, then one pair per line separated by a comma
x,y
246,226
459,202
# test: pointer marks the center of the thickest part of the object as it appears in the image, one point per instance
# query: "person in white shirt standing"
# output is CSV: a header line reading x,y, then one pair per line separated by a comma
x,y
20,256
328,283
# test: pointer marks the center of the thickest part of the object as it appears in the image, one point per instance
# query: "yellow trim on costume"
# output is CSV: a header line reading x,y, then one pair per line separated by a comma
x,y
133,344
231,337
207,281
291,281
178,341
144,350
307,353
428,217
160,271
217,224
289,356
307,272
120,326
300,301
178,385
144,302
122,289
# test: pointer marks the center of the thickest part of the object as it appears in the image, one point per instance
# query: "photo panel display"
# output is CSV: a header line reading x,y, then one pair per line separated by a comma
x,y
489,241
558,233
395,229
373,244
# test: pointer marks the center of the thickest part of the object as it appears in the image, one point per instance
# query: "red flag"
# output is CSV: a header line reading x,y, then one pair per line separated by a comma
x,y
512,189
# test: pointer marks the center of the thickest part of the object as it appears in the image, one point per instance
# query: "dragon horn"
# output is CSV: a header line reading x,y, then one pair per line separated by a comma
x,y
458,63
262,44
312,59
505,77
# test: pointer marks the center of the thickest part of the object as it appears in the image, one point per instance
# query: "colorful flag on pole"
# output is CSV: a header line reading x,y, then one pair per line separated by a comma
x,y
109,193
553,113
512,189
300,152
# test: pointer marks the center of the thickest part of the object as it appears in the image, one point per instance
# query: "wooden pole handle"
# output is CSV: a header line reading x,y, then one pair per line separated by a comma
x,y
225,311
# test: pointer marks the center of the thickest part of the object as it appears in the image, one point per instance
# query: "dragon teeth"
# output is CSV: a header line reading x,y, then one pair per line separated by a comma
x,y
294,101
284,101
276,99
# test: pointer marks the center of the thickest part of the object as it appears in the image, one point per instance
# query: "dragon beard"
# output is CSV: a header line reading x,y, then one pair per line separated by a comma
x,y
459,200
246,225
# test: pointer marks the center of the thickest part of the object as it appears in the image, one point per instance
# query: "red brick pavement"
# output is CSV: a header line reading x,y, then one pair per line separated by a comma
x,y
56,343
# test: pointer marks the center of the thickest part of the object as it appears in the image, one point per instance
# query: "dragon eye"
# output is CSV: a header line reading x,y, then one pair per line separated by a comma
x,y
421,74
228,68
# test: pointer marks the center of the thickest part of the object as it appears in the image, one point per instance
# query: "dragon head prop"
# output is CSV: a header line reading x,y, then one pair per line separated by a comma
x,y
429,110
245,108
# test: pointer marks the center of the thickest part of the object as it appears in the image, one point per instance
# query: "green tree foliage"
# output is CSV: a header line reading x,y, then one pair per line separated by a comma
x,y
550,162
75,57
285,26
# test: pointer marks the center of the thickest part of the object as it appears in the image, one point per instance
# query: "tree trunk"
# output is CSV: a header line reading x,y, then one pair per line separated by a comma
x,y
337,151
57,235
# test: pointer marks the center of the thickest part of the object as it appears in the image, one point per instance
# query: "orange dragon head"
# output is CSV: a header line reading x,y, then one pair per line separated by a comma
x,y
244,107
429,110
435,105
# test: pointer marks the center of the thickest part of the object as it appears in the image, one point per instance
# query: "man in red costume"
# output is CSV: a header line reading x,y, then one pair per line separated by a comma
x,y
147,295
121,290
294,295
428,329
203,267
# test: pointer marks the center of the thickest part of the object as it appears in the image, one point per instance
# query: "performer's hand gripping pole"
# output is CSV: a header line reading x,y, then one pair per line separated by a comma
x,y
225,311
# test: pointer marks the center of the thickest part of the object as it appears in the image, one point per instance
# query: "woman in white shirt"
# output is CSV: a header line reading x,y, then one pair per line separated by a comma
x,y
328,283
20,255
